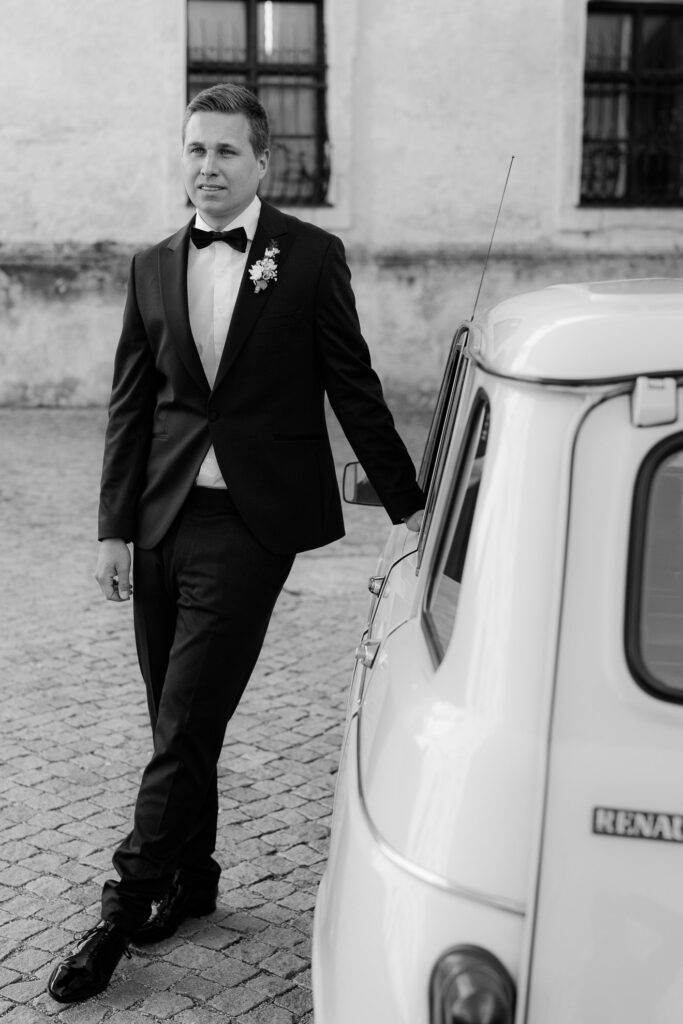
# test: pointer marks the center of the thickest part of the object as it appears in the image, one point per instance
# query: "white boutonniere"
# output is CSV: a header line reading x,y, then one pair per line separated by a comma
x,y
264,271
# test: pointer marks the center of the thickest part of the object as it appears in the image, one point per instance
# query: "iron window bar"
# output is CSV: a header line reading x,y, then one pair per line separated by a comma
x,y
628,160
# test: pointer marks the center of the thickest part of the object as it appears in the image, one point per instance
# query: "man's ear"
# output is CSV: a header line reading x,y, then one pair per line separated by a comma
x,y
263,159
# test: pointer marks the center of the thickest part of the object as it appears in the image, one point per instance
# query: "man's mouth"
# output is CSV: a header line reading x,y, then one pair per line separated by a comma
x,y
211,188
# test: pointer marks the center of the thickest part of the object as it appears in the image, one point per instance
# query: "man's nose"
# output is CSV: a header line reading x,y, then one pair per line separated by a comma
x,y
208,165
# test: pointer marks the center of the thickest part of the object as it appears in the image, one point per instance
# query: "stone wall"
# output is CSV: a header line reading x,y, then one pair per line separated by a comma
x,y
60,312
60,315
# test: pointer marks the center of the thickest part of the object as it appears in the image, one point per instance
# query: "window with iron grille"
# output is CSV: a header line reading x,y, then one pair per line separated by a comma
x,y
276,49
633,105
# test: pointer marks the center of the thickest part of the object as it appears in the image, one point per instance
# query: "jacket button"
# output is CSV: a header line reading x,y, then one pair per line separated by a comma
x,y
213,416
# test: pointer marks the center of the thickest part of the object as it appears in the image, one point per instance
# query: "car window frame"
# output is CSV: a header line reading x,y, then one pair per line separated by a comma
x,y
443,401
441,429
479,414
637,549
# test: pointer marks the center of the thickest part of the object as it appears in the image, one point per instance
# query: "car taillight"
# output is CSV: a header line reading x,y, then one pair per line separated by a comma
x,y
469,985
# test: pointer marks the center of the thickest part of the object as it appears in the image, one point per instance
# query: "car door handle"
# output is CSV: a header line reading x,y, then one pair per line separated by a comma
x,y
375,584
366,652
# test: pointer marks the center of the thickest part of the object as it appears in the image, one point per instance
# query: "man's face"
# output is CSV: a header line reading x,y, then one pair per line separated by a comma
x,y
220,169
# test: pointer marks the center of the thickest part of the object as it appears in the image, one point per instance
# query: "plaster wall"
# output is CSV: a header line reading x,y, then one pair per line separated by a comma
x,y
91,95
443,101
444,94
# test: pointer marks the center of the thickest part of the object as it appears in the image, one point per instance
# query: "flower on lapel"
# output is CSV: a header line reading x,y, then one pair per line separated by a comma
x,y
264,271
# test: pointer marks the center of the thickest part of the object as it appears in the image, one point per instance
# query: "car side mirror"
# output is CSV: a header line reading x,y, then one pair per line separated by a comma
x,y
356,487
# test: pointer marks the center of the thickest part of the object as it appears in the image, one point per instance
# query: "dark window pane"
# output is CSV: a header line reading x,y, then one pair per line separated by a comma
x,y
441,430
608,43
605,147
604,170
294,175
443,599
662,43
633,105
446,402
657,145
291,104
286,33
661,624
198,80
606,112
659,112
217,31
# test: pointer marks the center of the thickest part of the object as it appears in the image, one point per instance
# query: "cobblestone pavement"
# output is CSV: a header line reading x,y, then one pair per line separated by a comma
x,y
75,737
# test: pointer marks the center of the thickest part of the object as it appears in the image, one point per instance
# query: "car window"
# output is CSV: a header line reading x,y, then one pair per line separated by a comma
x,y
441,429
447,389
443,592
654,621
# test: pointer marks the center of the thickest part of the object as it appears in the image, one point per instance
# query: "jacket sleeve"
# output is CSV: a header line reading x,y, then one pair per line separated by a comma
x,y
129,427
355,392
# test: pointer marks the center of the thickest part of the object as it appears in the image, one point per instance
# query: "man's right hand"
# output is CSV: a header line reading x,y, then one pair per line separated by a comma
x,y
113,569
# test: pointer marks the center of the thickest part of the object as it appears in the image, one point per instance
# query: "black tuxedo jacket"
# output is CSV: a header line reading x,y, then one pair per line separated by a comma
x,y
287,345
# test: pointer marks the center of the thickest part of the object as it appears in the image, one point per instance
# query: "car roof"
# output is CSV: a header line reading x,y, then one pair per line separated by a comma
x,y
585,333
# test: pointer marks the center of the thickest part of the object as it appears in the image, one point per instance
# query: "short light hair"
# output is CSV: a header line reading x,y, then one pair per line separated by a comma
x,y
229,98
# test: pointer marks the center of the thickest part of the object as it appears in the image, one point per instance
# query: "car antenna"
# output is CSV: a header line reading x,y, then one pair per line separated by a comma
x,y
493,235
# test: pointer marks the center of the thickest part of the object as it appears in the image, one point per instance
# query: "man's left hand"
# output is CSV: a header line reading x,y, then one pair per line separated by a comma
x,y
414,522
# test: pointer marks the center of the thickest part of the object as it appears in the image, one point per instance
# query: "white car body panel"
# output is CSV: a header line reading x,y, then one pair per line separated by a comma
x,y
610,910
407,922
462,737
598,332
468,782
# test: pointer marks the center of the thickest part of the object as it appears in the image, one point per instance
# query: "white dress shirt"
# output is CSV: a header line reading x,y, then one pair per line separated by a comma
x,y
214,274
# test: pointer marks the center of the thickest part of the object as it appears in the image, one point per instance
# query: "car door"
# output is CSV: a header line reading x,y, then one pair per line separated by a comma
x,y
396,570
609,909
399,705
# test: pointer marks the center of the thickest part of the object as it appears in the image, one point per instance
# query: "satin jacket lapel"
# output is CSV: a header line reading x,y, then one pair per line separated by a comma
x,y
173,277
250,303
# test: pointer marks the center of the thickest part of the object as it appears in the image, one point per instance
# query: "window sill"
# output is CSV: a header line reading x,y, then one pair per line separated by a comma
x,y
657,226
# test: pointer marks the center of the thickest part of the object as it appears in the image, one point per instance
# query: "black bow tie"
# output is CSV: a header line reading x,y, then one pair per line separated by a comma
x,y
237,238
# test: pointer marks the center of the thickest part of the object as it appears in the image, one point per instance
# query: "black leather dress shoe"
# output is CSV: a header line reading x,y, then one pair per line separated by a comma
x,y
87,970
180,902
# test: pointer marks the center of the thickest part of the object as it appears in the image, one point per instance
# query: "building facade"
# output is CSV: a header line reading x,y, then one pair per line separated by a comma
x,y
394,126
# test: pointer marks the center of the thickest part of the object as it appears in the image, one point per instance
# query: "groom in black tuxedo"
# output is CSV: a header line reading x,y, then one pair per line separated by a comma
x,y
218,467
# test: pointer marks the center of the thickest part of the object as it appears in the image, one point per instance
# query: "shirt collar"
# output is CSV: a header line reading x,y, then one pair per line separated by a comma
x,y
247,219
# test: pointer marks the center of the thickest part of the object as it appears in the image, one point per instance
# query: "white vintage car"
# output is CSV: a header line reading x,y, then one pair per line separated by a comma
x,y
507,842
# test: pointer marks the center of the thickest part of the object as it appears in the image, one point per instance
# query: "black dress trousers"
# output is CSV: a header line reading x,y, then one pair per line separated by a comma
x,y
203,599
